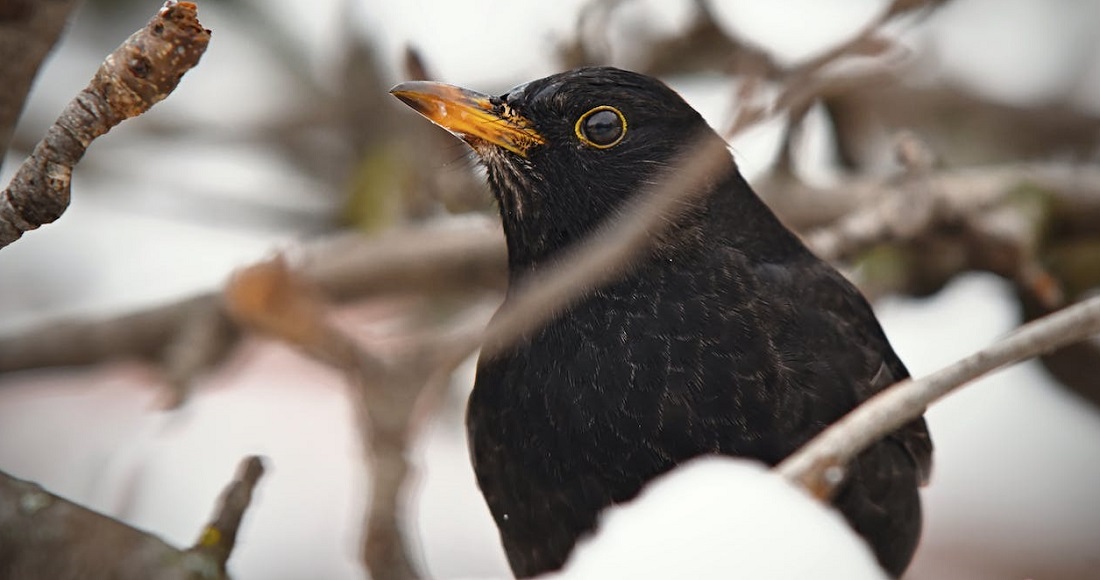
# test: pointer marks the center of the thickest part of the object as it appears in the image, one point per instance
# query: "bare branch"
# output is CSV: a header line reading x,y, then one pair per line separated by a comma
x,y
220,536
192,335
902,209
270,299
472,258
880,415
137,75
804,84
47,536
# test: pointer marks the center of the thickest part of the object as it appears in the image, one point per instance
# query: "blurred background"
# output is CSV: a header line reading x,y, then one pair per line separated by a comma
x,y
284,135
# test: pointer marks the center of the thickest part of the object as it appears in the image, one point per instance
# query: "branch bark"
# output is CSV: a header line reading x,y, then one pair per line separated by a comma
x,y
218,539
43,535
137,75
891,211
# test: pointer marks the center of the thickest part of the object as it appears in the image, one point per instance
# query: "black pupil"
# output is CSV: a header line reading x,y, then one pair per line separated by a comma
x,y
603,127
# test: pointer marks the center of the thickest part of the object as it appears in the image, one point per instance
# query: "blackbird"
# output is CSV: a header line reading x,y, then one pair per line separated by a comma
x,y
728,336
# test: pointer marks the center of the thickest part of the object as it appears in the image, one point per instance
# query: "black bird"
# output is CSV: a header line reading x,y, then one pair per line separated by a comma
x,y
728,337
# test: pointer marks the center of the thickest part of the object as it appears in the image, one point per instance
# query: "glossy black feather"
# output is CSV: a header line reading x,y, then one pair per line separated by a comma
x,y
730,337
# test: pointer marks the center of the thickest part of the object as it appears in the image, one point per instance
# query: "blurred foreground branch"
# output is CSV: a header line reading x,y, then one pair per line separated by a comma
x,y
270,299
190,337
138,74
838,444
46,536
603,255
842,221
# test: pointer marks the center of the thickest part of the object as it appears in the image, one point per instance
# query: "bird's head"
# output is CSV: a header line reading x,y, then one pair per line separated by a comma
x,y
564,152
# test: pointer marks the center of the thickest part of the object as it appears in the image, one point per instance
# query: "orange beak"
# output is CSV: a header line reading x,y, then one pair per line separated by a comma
x,y
470,116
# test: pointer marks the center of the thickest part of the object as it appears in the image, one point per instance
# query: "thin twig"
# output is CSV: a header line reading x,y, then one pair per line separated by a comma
x,y
138,74
220,536
880,415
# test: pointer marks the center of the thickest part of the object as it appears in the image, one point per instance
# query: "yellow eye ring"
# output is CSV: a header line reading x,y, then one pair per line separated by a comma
x,y
601,132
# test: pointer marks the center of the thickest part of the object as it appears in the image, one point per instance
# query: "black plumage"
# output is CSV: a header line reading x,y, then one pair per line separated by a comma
x,y
728,337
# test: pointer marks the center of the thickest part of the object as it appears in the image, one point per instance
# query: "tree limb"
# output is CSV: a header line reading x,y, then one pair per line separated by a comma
x,y
601,256
43,535
191,336
814,464
270,299
890,211
137,75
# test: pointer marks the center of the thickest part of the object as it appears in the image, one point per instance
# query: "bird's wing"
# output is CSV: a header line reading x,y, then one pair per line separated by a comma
x,y
914,435
871,340
838,325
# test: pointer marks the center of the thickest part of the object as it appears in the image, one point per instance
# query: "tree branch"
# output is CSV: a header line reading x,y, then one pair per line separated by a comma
x,y
899,210
600,257
270,299
836,446
43,535
137,75
191,336
220,536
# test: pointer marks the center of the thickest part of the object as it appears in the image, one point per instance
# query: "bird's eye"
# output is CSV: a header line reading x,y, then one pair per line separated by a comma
x,y
601,127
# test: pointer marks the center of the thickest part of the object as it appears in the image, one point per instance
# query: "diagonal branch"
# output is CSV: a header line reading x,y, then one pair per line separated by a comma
x,y
272,300
803,84
602,256
47,536
138,74
813,464
192,336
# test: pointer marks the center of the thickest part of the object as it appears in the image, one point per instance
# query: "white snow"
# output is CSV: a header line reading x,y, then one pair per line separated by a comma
x,y
723,518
